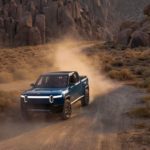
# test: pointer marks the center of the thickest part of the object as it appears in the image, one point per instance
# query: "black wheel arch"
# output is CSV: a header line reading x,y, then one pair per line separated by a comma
x,y
67,97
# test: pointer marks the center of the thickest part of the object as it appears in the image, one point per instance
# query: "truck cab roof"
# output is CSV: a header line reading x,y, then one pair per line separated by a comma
x,y
69,73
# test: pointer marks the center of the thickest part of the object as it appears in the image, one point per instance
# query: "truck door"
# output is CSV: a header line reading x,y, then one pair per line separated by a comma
x,y
78,85
75,86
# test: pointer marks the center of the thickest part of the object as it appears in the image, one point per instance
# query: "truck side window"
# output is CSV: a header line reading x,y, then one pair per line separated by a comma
x,y
74,78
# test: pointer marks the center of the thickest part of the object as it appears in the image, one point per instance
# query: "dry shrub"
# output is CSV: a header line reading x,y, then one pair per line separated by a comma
x,y
148,88
7,99
130,54
146,83
143,57
129,24
22,74
138,70
123,75
142,112
146,72
147,10
5,77
146,99
140,125
117,63
107,67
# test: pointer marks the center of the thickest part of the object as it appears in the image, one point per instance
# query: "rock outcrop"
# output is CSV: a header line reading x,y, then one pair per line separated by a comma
x,y
147,10
43,20
139,38
135,34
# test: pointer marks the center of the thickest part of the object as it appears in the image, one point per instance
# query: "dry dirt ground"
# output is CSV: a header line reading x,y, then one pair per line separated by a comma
x,y
101,125
95,127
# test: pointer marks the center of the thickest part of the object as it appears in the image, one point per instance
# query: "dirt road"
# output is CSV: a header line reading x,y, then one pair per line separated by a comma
x,y
95,127
92,128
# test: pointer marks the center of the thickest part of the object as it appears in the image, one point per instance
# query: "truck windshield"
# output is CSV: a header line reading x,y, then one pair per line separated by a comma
x,y
52,81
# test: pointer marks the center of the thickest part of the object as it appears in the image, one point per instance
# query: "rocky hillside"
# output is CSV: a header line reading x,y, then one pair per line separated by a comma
x,y
130,9
31,22
135,33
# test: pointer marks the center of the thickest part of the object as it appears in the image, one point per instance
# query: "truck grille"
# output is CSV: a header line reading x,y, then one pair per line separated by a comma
x,y
38,101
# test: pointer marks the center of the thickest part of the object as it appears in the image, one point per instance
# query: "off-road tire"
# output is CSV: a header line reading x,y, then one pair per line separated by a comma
x,y
24,112
67,110
85,99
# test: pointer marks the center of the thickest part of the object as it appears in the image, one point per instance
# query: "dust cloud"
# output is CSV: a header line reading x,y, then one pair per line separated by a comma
x,y
69,56
63,55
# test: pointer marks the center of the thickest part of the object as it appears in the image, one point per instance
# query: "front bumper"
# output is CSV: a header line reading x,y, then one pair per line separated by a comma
x,y
41,107
41,103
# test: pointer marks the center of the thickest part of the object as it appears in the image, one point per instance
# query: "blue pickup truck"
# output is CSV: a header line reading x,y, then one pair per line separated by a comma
x,y
55,92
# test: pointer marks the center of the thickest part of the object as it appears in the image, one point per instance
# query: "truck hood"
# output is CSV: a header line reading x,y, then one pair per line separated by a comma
x,y
45,92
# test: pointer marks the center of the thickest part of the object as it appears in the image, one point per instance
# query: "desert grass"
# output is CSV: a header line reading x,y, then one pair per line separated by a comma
x,y
8,100
125,65
24,63
131,66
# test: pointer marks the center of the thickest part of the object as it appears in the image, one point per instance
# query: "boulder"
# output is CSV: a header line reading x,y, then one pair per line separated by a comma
x,y
139,38
6,24
76,10
44,3
11,30
68,23
147,10
146,28
56,19
1,23
40,23
2,36
124,37
145,25
34,36
28,36
1,3
129,24
1,11
26,19
50,13
5,10
12,10
22,36
31,7
59,12
19,12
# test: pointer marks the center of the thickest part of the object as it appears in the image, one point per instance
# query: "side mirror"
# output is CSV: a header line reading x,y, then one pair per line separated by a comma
x,y
32,85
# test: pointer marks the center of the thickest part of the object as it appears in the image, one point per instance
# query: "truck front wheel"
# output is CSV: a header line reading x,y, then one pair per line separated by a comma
x,y
85,99
24,112
67,110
